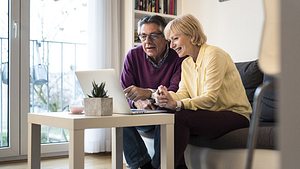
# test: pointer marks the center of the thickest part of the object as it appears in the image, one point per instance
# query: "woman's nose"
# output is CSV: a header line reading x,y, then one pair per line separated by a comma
x,y
172,45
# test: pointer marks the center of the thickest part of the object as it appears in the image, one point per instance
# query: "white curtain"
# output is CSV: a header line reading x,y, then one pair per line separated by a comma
x,y
103,52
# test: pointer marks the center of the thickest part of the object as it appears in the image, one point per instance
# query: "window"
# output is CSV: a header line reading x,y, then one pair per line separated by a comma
x,y
54,46
41,63
9,82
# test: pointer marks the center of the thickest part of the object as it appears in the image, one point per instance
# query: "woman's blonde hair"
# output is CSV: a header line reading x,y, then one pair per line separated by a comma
x,y
188,25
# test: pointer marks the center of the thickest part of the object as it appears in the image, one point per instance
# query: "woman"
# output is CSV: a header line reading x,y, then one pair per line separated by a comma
x,y
211,99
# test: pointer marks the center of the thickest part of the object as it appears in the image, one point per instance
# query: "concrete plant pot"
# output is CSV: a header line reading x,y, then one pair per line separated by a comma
x,y
98,106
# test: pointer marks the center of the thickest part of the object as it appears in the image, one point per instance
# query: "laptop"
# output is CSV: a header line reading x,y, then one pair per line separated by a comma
x,y
113,86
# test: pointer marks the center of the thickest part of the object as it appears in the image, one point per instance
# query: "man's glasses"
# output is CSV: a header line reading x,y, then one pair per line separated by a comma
x,y
152,36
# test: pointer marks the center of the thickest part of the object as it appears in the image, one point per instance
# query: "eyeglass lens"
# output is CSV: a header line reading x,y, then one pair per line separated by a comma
x,y
152,36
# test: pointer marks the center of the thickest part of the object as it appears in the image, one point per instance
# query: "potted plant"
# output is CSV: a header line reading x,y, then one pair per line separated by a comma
x,y
98,103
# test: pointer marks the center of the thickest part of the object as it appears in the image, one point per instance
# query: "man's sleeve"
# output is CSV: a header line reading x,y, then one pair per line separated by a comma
x,y
127,75
127,71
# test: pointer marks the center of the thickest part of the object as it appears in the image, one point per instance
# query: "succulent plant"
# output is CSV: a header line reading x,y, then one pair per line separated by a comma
x,y
98,90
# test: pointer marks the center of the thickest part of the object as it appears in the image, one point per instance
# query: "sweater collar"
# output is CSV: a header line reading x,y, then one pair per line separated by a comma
x,y
161,61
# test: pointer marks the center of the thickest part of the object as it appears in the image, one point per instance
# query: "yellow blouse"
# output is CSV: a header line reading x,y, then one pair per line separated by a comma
x,y
212,83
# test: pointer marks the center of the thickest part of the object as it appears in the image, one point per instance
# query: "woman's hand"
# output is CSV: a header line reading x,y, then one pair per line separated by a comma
x,y
164,98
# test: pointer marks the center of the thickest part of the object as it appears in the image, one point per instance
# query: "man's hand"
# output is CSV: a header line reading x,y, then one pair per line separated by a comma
x,y
144,104
136,93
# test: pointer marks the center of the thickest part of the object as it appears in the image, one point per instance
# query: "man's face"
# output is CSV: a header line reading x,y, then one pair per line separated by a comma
x,y
153,41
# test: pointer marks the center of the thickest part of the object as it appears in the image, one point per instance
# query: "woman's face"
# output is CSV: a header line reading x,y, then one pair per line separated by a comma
x,y
181,44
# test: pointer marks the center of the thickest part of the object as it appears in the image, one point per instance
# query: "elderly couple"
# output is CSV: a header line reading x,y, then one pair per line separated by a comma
x,y
174,68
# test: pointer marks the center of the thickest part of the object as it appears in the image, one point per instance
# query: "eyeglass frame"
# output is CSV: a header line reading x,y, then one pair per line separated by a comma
x,y
153,36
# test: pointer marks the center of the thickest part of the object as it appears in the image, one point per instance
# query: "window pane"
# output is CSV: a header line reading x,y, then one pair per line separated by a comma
x,y
4,74
58,38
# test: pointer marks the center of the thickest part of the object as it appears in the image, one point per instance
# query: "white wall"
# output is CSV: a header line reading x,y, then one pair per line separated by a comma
x,y
235,25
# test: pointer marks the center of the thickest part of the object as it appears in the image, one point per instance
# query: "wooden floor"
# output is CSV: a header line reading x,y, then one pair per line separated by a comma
x,y
91,161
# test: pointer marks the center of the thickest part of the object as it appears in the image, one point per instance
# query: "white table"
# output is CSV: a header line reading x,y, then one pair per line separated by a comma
x,y
76,125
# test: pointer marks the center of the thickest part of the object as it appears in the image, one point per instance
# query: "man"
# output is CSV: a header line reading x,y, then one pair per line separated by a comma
x,y
145,68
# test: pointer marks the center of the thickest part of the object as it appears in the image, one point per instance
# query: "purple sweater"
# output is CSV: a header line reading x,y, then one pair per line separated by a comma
x,y
138,71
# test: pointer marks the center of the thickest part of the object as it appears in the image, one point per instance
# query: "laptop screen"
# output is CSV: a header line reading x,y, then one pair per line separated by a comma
x,y
112,85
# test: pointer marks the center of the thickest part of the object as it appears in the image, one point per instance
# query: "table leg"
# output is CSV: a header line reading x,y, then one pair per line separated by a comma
x,y
117,148
167,146
76,149
34,146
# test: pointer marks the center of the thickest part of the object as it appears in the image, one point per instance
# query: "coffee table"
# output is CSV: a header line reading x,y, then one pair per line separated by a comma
x,y
76,124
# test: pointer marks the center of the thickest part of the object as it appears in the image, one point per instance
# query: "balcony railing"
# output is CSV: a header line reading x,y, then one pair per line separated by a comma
x,y
53,83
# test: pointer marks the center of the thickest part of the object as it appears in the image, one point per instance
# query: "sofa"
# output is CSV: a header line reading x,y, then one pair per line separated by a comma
x,y
229,150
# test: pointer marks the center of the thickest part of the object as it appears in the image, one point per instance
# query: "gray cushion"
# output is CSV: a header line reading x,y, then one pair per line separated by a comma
x,y
251,77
